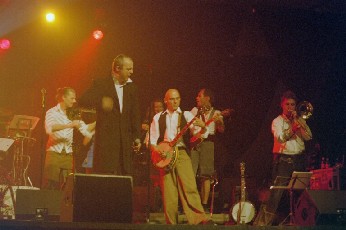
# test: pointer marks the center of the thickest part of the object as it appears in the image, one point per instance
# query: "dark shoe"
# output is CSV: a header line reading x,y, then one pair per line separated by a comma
x,y
180,210
225,208
206,208
209,222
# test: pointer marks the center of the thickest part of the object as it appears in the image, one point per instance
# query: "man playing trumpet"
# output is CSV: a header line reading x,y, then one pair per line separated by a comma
x,y
289,132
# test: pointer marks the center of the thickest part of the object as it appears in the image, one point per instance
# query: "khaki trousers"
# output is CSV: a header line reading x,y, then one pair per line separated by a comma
x,y
181,181
56,169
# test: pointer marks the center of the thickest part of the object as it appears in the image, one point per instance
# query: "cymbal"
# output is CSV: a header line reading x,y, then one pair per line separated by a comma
x,y
5,112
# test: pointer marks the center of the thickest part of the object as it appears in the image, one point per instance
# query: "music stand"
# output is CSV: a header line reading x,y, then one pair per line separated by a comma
x,y
20,128
23,123
298,181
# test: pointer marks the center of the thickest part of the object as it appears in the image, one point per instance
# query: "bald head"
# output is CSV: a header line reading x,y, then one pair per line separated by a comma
x,y
172,99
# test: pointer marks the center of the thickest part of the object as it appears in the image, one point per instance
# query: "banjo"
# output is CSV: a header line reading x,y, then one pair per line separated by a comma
x,y
168,152
244,211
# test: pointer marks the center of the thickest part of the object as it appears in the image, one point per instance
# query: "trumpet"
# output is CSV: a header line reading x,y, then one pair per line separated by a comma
x,y
304,110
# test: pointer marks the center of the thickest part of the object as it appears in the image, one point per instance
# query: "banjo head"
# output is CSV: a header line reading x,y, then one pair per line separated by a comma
x,y
247,213
169,160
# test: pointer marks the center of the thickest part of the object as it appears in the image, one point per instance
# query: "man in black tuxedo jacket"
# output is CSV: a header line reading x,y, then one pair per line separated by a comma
x,y
118,126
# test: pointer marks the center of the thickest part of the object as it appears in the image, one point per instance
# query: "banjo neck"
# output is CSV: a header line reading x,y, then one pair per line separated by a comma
x,y
186,127
242,182
243,212
182,132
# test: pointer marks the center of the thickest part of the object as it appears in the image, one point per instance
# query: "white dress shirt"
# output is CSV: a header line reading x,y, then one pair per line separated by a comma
x,y
172,127
62,139
120,91
284,141
207,117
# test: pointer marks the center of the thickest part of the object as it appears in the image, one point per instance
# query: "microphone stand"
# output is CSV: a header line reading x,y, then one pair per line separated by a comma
x,y
150,117
43,155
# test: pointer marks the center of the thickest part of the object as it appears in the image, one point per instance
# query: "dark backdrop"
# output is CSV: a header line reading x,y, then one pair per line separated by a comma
x,y
247,53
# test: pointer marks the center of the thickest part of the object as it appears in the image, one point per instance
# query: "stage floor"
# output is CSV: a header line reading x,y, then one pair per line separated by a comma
x,y
139,216
37,225
156,222
159,218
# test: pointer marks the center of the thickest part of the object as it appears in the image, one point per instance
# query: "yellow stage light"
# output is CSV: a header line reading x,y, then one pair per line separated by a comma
x,y
50,17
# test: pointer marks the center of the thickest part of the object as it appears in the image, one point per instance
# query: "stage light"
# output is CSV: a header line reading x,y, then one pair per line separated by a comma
x,y
50,17
98,34
5,44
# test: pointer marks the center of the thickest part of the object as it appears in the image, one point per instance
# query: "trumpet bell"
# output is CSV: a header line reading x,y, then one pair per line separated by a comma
x,y
305,109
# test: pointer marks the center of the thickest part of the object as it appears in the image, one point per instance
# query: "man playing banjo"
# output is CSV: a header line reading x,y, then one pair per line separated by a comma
x,y
179,178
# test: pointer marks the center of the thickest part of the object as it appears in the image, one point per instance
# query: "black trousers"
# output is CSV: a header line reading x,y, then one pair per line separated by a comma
x,y
283,167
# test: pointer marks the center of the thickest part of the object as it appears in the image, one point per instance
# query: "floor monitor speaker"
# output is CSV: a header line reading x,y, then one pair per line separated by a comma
x,y
320,207
97,198
37,204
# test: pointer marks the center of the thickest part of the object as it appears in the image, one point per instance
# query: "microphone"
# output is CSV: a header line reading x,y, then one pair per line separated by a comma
x,y
137,142
136,145
43,92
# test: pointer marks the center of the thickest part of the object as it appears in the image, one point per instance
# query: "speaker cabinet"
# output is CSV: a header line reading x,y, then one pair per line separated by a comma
x,y
97,198
30,202
320,207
